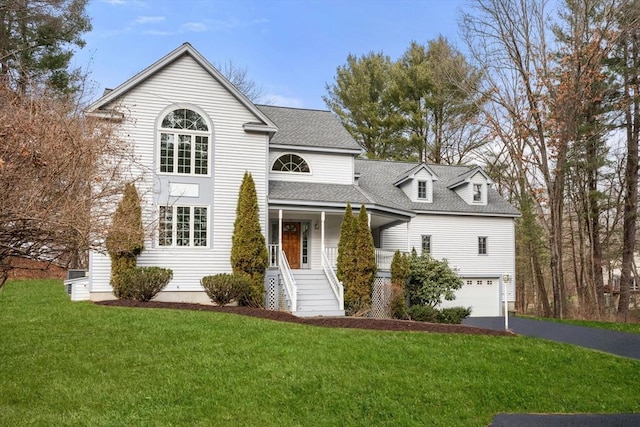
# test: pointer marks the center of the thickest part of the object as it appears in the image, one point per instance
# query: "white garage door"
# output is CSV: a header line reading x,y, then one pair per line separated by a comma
x,y
481,294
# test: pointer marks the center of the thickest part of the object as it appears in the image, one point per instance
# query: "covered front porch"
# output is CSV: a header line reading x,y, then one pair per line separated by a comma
x,y
306,236
303,251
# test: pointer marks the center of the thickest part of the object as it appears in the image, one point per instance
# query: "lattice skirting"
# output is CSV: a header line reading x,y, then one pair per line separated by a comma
x,y
381,298
273,294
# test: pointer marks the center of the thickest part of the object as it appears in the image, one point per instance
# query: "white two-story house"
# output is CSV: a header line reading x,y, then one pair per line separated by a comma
x,y
194,135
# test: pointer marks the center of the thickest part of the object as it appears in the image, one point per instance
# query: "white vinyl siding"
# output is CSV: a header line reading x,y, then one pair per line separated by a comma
x,y
328,168
456,238
233,151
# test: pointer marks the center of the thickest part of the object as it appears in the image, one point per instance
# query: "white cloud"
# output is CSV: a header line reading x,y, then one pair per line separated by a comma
x,y
158,33
149,19
136,3
283,101
196,27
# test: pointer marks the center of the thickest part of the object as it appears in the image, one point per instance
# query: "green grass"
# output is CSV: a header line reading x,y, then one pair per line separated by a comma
x,y
633,328
75,363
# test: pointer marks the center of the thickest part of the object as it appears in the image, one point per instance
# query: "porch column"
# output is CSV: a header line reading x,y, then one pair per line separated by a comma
x,y
279,230
322,218
369,219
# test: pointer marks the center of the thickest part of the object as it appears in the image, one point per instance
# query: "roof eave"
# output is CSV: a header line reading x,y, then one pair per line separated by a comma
x,y
260,128
275,203
290,147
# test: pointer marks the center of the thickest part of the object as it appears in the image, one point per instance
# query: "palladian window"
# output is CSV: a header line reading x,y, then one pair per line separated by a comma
x,y
184,143
290,163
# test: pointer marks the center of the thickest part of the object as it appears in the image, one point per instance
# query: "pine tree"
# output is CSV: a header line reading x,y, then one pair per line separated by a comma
x,y
399,268
345,262
125,240
358,293
249,255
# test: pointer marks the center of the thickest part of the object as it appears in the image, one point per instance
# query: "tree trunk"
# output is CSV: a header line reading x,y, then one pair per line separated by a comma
x,y
539,279
632,118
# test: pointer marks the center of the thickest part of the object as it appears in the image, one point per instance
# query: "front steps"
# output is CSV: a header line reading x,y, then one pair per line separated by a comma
x,y
315,297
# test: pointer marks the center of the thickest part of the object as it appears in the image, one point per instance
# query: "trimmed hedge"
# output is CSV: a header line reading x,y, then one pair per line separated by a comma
x,y
225,288
425,313
143,283
454,314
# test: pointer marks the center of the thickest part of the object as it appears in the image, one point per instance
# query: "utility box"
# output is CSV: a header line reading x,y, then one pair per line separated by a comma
x,y
78,288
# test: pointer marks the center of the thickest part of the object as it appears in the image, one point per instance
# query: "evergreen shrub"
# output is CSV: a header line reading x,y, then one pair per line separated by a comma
x,y
423,313
249,255
399,274
360,258
125,239
454,314
426,313
225,288
143,283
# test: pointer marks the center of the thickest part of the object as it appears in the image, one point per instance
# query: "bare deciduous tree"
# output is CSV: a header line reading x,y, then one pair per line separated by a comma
x,y
59,174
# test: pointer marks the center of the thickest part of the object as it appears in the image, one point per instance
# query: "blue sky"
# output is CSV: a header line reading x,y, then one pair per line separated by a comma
x,y
290,47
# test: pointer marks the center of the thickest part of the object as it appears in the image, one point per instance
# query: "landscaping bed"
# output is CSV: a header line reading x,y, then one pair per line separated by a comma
x,y
332,322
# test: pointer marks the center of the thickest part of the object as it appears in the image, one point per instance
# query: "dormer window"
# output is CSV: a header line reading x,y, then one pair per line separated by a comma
x,y
477,193
290,163
422,190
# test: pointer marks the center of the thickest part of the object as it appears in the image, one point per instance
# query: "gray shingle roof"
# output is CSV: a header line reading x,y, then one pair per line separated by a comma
x,y
377,178
308,128
307,191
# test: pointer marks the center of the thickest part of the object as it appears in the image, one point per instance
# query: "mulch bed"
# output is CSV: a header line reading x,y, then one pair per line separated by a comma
x,y
330,322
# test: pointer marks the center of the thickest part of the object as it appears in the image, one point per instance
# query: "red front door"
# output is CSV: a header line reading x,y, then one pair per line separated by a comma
x,y
291,243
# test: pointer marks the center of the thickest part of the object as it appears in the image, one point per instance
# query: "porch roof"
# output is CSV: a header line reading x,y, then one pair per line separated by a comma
x,y
308,194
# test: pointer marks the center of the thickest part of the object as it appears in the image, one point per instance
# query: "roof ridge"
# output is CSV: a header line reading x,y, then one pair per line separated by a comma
x,y
294,108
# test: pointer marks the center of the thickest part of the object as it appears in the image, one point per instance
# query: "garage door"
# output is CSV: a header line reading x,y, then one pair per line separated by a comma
x,y
481,294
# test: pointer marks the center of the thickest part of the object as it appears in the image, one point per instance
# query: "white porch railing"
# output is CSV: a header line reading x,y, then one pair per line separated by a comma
x,y
336,285
332,256
290,286
383,258
273,255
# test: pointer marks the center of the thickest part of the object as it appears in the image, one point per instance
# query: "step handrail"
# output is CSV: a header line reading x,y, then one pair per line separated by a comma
x,y
336,285
290,286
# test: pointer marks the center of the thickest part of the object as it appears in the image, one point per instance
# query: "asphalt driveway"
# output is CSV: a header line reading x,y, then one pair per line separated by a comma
x,y
618,343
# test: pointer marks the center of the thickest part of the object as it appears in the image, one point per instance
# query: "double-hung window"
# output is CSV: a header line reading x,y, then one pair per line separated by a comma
x,y
482,245
422,190
477,193
185,143
426,244
183,226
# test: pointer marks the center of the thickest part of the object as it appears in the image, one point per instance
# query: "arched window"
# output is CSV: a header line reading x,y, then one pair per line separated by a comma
x,y
184,143
290,163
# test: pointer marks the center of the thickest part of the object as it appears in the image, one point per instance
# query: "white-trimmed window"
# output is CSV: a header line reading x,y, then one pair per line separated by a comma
x,y
490,282
482,245
290,163
477,193
422,190
478,282
183,226
426,244
185,143
469,282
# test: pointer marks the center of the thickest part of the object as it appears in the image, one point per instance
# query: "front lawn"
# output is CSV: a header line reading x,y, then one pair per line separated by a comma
x,y
66,363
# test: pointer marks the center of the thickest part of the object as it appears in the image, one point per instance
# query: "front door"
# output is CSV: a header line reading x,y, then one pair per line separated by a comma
x,y
291,243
